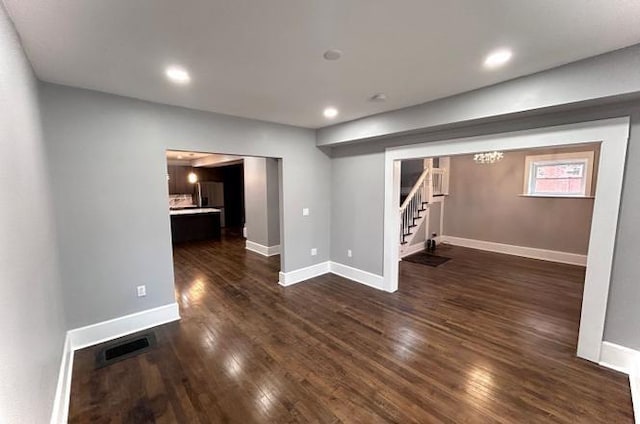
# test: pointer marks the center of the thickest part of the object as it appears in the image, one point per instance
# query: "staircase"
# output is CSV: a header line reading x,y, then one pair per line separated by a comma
x,y
414,208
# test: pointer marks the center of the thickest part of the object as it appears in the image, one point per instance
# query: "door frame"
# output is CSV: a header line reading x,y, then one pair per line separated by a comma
x,y
613,136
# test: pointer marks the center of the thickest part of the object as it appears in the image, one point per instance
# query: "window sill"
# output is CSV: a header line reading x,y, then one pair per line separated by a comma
x,y
551,196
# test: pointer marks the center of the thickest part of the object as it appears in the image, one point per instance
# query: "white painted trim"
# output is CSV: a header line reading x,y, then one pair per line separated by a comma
x,y
410,250
555,157
60,412
100,332
619,358
527,252
625,360
302,274
261,249
357,275
613,134
350,273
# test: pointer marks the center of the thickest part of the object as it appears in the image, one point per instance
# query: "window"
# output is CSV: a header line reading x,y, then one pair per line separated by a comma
x,y
560,175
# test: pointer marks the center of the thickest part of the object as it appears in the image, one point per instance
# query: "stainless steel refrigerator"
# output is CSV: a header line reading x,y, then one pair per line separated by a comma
x,y
212,196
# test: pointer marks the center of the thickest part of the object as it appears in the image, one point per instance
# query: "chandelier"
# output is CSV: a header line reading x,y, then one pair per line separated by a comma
x,y
488,157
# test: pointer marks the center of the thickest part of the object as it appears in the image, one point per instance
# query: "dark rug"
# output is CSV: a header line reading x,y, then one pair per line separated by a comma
x,y
426,258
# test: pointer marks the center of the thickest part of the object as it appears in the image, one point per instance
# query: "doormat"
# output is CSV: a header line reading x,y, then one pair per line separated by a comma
x,y
426,258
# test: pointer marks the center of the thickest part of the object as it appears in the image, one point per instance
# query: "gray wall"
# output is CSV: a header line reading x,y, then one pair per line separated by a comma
x,y
435,209
255,200
358,179
410,171
262,209
108,167
273,201
485,203
31,313
357,196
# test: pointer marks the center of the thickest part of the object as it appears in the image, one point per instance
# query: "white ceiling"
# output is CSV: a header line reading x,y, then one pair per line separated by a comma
x,y
198,159
180,155
263,59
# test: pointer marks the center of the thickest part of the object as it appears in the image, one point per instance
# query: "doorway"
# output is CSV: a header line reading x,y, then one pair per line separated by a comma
x,y
612,134
220,197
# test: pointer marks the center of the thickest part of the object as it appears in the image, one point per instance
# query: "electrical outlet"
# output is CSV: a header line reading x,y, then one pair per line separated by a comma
x,y
349,253
142,291
305,211
314,251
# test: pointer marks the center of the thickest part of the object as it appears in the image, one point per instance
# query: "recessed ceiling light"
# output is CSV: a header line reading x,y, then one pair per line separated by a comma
x,y
378,97
332,54
179,156
497,58
330,112
178,75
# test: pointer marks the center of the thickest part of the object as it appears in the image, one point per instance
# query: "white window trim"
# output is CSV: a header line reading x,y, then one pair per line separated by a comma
x,y
614,136
530,159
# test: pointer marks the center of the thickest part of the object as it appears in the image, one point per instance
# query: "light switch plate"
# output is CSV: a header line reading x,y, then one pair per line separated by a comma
x,y
305,211
314,251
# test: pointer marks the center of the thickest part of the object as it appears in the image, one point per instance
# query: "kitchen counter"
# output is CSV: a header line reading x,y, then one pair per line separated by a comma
x,y
193,211
195,224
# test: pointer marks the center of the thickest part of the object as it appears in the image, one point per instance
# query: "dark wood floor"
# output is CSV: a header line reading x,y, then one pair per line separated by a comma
x,y
482,338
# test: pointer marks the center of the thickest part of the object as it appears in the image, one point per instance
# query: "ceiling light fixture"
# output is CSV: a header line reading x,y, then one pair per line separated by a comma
x,y
497,58
178,75
330,112
488,157
179,156
332,54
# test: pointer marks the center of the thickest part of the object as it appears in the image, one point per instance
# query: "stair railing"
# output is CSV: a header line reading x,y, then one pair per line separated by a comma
x,y
414,204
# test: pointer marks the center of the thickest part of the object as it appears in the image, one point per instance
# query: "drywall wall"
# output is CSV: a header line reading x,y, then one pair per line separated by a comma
x,y
435,210
485,202
255,200
557,88
273,201
31,309
109,152
358,179
357,188
262,207
410,171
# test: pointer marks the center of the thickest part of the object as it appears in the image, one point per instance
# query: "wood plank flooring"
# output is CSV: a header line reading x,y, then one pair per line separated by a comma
x,y
483,338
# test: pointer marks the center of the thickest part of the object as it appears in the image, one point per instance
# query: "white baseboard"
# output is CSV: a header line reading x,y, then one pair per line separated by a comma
x,y
302,274
112,329
60,412
357,275
625,360
263,250
618,357
527,252
410,250
350,273
100,332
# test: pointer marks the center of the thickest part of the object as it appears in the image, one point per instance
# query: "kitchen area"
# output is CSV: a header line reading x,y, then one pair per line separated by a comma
x,y
206,194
